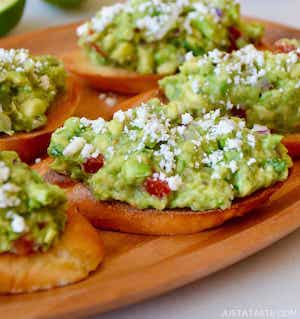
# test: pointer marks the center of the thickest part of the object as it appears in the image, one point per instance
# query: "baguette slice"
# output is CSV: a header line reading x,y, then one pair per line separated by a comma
x,y
109,78
290,141
123,217
77,253
34,144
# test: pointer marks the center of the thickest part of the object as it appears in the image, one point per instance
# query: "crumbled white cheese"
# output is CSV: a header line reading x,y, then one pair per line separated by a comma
x,y
87,151
98,125
108,98
260,129
225,126
197,142
181,129
75,145
186,118
251,140
18,224
251,161
8,195
82,30
167,156
110,150
111,101
233,144
102,96
105,17
155,17
189,56
195,86
174,182
4,172
213,158
157,26
229,105
233,166
120,116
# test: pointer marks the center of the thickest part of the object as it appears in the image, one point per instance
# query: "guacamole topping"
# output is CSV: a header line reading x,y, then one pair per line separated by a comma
x,y
260,85
166,156
28,86
152,36
32,212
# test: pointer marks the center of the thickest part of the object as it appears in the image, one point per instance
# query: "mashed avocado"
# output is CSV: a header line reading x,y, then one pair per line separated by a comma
x,y
28,86
152,36
30,209
263,85
162,156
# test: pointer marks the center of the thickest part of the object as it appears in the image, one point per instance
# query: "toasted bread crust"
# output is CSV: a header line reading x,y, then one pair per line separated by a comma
x,y
290,141
34,144
123,217
108,78
78,252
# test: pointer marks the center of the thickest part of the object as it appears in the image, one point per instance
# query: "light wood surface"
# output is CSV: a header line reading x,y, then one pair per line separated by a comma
x,y
138,267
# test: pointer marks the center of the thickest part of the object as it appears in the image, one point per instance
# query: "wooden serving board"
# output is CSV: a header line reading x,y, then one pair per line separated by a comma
x,y
138,267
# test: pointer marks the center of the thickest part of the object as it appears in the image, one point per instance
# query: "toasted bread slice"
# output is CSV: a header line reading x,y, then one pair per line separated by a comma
x,y
290,141
123,217
34,144
77,253
109,78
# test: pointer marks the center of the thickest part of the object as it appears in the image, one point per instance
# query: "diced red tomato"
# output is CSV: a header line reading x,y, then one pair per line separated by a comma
x,y
23,246
238,112
234,34
157,187
92,164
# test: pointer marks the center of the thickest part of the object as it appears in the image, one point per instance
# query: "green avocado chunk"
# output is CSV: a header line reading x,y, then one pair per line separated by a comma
x,y
30,209
265,86
169,156
152,36
28,87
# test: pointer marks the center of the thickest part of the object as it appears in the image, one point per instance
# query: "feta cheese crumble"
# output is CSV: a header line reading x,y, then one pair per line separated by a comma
x,y
75,145
18,224
186,118
119,35
4,172
249,83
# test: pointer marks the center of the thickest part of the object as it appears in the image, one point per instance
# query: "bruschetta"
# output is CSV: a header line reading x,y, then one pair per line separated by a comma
x,y
261,86
44,242
36,97
127,47
157,169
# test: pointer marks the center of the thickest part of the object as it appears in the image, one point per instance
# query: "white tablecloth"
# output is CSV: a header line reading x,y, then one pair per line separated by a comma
x,y
266,285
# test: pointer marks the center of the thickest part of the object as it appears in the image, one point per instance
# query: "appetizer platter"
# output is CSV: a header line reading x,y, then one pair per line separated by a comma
x,y
126,188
